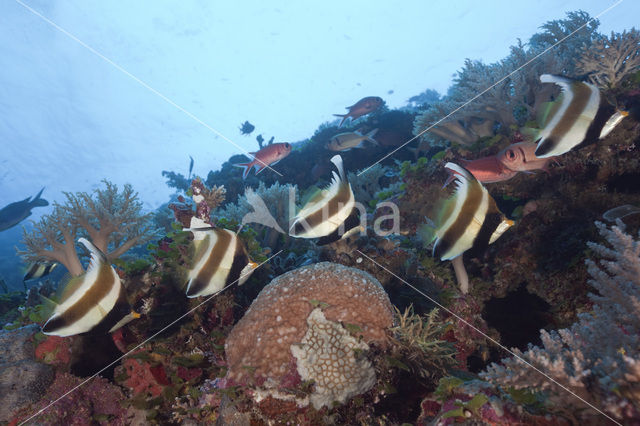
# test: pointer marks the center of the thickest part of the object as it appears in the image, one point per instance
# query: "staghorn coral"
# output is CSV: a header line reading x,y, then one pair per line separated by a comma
x,y
258,348
597,358
609,59
111,219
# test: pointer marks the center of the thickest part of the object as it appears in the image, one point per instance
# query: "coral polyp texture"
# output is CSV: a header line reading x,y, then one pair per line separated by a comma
x,y
332,358
294,324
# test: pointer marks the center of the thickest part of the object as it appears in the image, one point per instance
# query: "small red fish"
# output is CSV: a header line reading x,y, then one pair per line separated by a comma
x,y
517,157
267,156
362,107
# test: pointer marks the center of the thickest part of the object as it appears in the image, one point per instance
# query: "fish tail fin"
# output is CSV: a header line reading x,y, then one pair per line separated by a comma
x,y
247,168
39,202
369,136
260,167
344,117
337,160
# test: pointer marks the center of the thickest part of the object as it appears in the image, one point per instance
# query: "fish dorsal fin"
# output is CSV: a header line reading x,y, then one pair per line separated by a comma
x,y
97,258
328,192
337,160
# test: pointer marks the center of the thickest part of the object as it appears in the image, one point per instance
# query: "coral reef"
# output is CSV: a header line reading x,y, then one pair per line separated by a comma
x,y
110,218
505,94
258,349
333,360
609,59
597,357
96,402
23,381
419,342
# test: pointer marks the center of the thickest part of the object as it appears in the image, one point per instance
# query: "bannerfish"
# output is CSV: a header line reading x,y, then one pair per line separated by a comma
x,y
38,270
267,156
517,157
94,301
327,210
469,219
14,213
363,107
351,226
346,141
580,116
220,259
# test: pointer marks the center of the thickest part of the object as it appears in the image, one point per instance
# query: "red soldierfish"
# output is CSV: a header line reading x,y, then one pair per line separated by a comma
x,y
267,156
362,107
517,157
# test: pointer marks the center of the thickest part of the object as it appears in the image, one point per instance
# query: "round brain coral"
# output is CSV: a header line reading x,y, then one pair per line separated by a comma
x,y
260,346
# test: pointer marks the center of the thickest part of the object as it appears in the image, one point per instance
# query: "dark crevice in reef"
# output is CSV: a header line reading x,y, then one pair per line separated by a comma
x,y
625,183
518,317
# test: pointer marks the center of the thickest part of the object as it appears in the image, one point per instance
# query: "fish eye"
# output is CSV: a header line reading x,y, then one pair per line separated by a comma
x,y
286,145
511,154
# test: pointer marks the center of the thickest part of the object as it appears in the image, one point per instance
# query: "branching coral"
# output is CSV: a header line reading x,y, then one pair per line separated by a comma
x,y
417,341
506,92
275,197
113,220
610,59
597,357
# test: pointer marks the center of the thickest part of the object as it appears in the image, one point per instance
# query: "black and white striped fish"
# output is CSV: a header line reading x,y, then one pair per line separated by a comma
x,y
220,260
94,301
469,219
38,270
327,210
580,116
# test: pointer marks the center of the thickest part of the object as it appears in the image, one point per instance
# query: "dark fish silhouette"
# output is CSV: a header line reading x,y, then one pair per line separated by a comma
x,y
362,107
246,128
14,213
190,167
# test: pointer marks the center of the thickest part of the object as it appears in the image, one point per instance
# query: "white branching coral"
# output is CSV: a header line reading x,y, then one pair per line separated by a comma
x,y
111,219
334,360
609,59
598,357
508,92
279,200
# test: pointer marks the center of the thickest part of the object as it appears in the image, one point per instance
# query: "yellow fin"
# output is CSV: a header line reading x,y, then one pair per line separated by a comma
x,y
547,110
73,283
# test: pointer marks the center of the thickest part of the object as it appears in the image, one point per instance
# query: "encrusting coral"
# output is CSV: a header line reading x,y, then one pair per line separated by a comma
x,y
610,59
597,358
111,219
333,359
260,346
